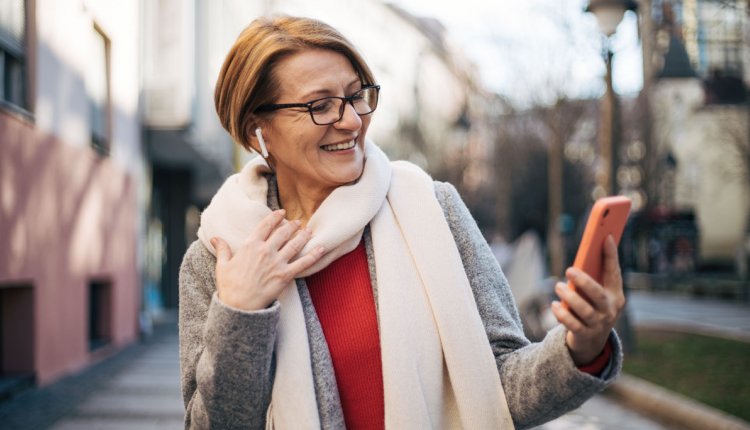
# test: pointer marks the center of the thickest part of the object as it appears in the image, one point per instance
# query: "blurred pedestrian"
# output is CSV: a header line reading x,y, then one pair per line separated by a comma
x,y
332,288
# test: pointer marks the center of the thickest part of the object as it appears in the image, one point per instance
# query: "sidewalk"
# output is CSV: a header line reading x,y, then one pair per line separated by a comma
x,y
138,389
696,315
602,413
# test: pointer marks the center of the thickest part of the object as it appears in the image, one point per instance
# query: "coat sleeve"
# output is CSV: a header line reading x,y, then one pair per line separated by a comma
x,y
540,380
226,355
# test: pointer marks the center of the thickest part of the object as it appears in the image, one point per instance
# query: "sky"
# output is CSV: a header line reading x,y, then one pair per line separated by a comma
x,y
533,50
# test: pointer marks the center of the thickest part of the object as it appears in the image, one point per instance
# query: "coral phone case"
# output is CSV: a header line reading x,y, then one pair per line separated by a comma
x,y
608,216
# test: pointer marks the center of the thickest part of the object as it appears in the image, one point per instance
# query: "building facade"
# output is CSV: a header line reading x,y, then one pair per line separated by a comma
x,y
696,77
70,163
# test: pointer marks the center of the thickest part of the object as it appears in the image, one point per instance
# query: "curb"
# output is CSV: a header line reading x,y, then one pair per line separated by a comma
x,y
671,407
695,328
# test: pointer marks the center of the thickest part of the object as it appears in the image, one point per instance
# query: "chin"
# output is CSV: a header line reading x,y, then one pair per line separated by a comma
x,y
353,174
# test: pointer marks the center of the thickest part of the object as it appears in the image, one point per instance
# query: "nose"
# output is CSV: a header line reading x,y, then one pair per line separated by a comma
x,y
350,120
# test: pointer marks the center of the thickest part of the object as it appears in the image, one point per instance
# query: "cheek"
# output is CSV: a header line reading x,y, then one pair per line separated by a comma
x,y
297,138
365,125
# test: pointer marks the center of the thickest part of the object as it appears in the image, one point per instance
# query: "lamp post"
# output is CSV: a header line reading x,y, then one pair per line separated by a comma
x,y
608,14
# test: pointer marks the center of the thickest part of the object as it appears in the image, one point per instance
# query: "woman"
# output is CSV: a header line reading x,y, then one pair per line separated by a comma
x,y
333,288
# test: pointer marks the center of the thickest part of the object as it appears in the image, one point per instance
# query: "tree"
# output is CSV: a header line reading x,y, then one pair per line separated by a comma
x,y
528,143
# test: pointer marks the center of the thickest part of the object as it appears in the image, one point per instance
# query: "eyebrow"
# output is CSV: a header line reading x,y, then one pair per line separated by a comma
x,y
325,92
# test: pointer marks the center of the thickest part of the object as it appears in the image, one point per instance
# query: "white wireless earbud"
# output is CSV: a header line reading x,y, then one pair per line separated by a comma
x,y
262,143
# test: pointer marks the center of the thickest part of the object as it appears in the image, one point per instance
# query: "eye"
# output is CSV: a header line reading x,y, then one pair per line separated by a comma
x,y
322,106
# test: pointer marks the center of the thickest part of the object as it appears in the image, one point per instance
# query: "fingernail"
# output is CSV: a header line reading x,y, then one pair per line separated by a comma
x,y
320,250
572,272
213,242
297,222
280,212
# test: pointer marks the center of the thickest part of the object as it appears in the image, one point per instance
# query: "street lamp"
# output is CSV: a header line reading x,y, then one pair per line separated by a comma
x,y
608,15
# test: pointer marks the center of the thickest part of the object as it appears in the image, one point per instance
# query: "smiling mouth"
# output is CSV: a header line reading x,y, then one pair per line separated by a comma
x,y
339,146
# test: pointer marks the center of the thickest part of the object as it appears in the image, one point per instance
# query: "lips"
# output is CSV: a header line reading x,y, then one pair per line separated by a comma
x,y
339,146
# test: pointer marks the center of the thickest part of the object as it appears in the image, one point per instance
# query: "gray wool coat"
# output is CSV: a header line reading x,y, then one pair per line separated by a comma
x,y
227,355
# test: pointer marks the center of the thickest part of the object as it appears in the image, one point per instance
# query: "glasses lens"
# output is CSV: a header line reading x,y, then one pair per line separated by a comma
x,y
330,109
365,100
326,111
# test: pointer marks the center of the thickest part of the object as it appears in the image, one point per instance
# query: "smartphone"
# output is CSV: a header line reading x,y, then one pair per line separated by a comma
x,y
608,217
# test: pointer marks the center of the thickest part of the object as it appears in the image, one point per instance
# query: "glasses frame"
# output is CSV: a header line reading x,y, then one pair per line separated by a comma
x,y
308,105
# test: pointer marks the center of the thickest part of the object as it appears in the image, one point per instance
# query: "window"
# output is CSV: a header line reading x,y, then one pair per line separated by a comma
x,y
98,85
100,314
720,45
13,53
720,38
16,337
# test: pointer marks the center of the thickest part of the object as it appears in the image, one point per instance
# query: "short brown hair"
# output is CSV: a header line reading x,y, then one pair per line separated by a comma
x,y
247,81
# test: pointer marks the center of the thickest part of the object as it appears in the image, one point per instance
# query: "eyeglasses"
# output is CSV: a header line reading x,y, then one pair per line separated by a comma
x,y
329,110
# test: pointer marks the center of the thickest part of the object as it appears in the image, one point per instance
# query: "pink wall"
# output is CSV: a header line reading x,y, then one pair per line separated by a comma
x,y
67,217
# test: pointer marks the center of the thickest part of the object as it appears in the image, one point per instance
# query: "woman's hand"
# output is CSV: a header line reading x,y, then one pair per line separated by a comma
x,y
592,309
258,272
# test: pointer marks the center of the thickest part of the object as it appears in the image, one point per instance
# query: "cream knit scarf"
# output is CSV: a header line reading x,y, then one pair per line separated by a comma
x,y
438,367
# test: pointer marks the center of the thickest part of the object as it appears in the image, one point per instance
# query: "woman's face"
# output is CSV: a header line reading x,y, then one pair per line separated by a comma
x,y
321,157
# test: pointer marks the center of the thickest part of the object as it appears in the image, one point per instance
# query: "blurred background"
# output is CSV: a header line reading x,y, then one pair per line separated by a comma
x,y
110,148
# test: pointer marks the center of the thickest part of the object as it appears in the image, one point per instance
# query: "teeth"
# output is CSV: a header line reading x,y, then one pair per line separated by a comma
x,y
339,146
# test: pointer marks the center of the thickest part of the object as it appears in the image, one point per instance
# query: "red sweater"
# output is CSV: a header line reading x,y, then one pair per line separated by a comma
x,y
343,299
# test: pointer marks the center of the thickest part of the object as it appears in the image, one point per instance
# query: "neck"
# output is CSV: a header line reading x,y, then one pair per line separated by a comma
x,y
299,201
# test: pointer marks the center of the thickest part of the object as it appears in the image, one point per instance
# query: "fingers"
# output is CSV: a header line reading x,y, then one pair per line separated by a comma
x,y
577,304
611,276
588,287
592,308
281,241
266,226
306,261
223,251
283,233
595,306
566,318
293,246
